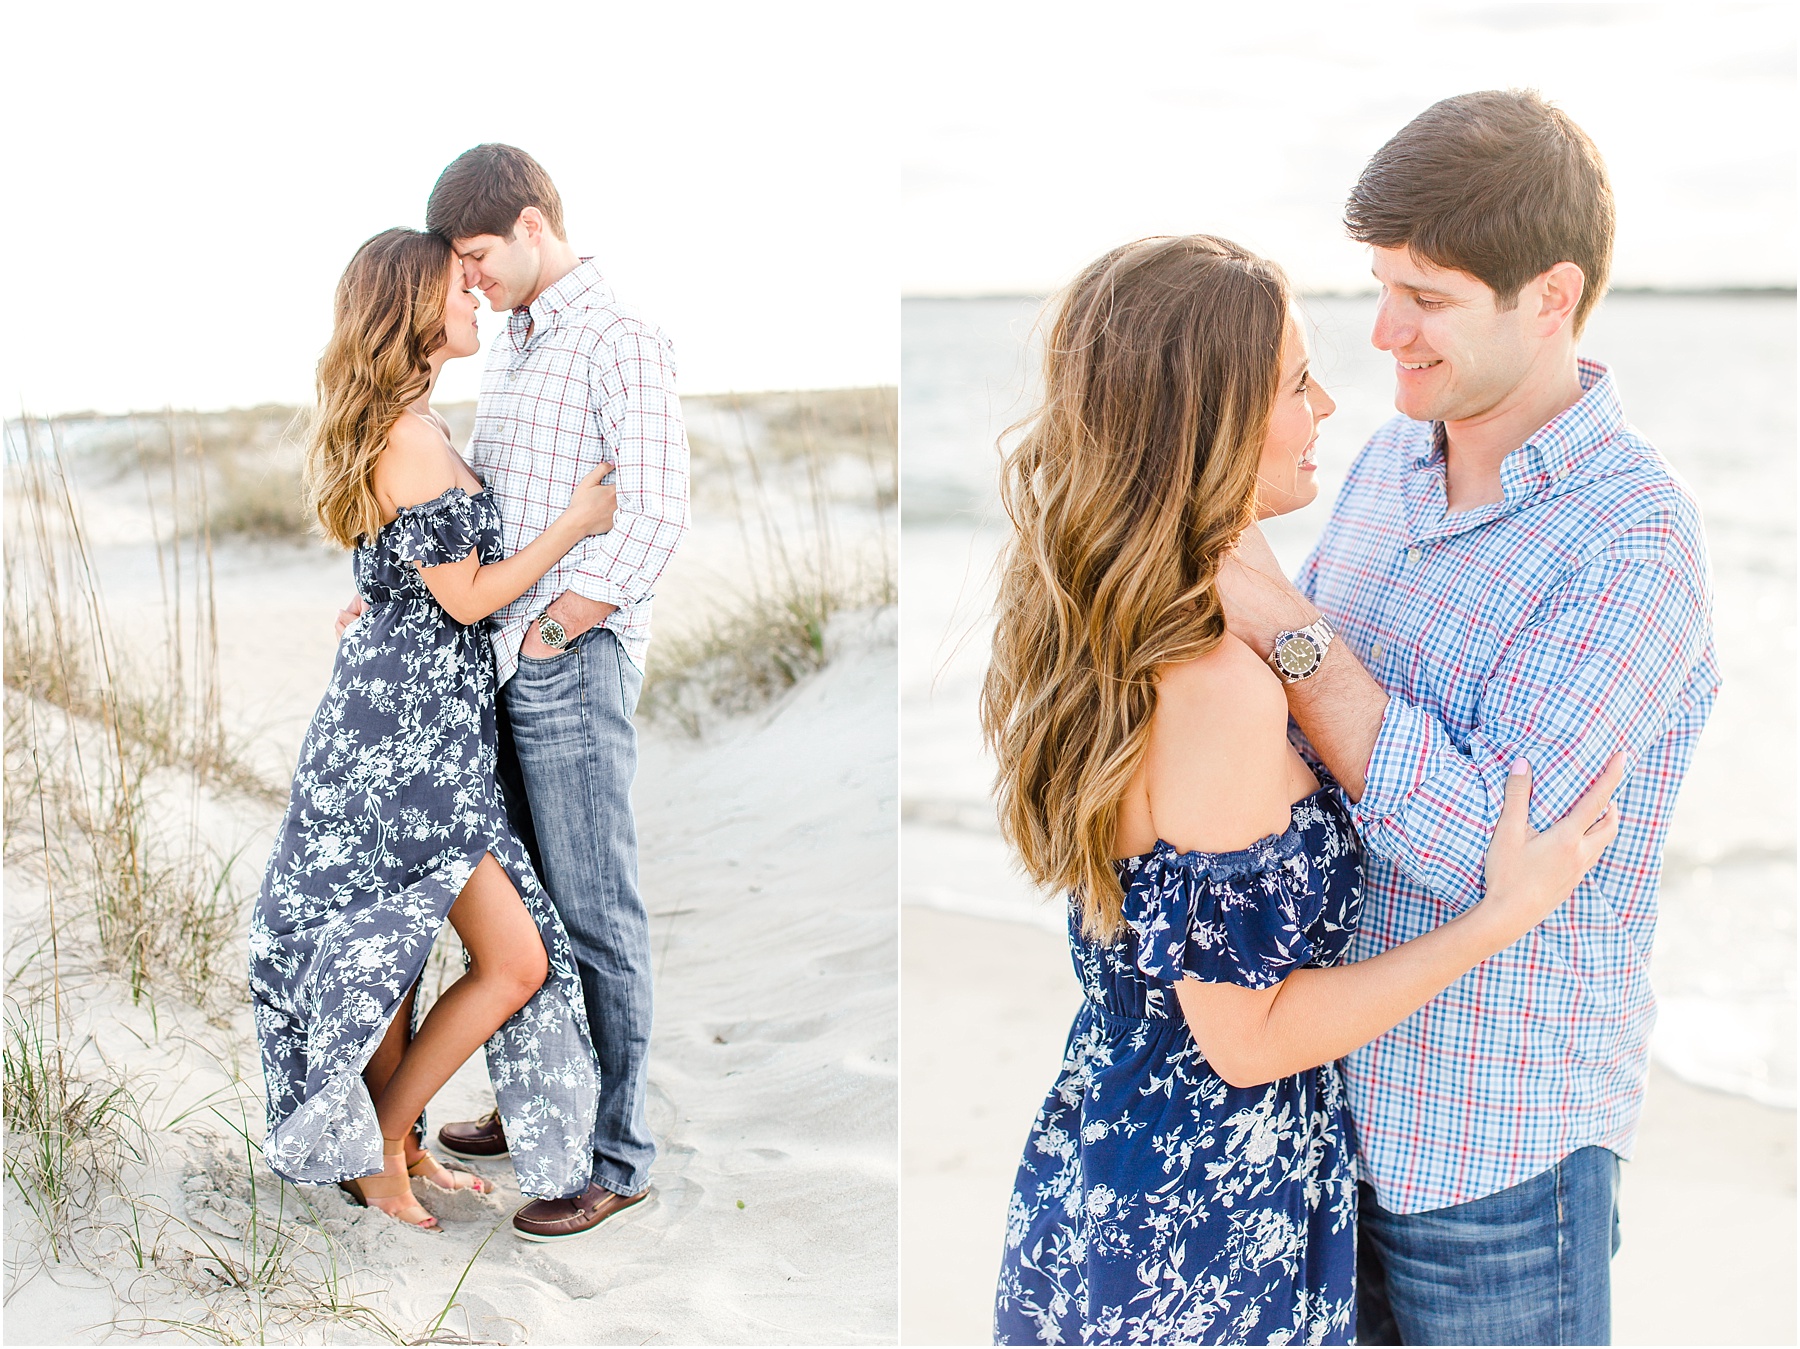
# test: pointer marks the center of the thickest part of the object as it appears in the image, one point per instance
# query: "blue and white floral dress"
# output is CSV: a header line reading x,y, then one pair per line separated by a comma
x,y
1156,1203
393,805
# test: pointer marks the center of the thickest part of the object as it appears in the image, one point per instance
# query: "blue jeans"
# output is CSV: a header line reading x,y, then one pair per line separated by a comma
x,y
1529,1265
568,753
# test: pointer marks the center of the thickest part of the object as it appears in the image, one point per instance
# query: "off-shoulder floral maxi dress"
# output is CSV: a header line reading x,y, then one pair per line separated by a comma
x,y
1156,1203
393,805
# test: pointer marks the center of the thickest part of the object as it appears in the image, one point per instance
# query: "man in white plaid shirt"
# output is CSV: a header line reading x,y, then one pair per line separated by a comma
x,y
576,380
1510,570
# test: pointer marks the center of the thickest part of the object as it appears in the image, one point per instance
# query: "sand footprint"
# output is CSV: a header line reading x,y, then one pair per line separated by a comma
x,y
749,1161
769,1032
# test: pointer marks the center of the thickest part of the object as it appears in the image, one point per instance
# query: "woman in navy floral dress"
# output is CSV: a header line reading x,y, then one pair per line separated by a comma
x,y
1190,1178
1163,1200
395,822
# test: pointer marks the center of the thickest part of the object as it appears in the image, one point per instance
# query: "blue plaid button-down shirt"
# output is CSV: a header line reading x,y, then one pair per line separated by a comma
x,y
1569,620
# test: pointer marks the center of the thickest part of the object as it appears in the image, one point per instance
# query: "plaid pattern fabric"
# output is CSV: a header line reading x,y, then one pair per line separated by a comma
x,y
578,380
1567,621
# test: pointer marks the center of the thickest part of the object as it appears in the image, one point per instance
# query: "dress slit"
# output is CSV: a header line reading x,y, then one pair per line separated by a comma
x,y
395,802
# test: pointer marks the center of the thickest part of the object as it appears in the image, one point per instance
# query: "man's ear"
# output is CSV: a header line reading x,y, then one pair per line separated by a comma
x,y
1559,291
531,221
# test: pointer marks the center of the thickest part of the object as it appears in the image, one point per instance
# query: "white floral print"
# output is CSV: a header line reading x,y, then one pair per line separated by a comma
x,y
1156,1203
393,805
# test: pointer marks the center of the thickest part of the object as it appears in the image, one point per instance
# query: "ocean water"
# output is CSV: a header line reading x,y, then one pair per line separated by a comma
x,y
1710,381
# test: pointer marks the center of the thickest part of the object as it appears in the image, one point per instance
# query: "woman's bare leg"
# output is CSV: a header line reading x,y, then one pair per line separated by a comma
x,y
507,965
392,1048
376,1076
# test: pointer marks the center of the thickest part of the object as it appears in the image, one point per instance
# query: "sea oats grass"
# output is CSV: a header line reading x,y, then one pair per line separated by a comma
x,y
789,469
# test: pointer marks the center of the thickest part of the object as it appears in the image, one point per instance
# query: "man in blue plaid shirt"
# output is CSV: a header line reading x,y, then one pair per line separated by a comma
x,y
1509,571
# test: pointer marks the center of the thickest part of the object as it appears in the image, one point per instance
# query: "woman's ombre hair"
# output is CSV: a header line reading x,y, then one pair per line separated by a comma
x,y
388,319
1127,488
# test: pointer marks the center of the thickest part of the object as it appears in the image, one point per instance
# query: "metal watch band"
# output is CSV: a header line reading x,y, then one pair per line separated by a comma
x,y
551,633
1299,654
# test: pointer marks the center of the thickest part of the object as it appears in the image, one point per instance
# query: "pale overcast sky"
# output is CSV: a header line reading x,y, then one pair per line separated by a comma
x,y
1035,140
187,181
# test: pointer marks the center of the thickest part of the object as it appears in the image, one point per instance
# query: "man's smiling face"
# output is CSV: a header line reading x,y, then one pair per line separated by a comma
x,y
506,270
1457,354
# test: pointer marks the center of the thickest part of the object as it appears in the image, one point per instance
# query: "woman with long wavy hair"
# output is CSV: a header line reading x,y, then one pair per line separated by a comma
x,y
1189,1176
395,822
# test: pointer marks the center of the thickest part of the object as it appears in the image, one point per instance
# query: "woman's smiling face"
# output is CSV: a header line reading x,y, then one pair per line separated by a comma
x,y
1285,479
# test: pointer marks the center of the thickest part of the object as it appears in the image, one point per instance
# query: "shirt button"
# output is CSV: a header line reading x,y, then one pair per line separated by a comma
x,y
1412,555
1376,650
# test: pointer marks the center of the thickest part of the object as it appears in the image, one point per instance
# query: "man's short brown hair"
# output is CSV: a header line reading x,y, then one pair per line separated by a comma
x,y
1500,185
484,190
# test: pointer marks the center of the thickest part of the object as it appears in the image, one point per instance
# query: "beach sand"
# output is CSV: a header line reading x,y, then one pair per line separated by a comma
x,y
768,867
1707,1204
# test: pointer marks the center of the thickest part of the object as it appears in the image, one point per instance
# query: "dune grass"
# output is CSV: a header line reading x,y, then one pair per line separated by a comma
x,y
239,470
69,1132
768,637
754,455
105,760
784,467
103,777
57,644
256,1258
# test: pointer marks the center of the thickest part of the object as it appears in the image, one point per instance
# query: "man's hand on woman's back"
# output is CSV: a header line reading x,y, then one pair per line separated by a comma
x,y
349,614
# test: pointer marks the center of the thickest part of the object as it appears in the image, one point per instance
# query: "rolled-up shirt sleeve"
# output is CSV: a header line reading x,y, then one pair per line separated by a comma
x,y
1601,666
639,420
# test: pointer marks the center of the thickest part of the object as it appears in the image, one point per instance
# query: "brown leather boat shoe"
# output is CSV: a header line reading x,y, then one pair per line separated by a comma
x,y
477,1139
560,1219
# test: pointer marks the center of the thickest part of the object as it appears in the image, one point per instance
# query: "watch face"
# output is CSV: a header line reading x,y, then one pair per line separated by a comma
x,y
552,632
1297,655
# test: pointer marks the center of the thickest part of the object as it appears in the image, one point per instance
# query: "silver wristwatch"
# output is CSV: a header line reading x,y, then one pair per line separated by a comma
x,y
551,632
1299,654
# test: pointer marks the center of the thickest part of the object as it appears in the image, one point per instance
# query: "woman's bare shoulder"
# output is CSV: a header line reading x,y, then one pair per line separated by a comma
x,y
412,467
1231,675
1217,766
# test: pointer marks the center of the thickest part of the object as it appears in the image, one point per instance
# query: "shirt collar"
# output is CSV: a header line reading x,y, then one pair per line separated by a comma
x,y
1553,455
1568,441
541,314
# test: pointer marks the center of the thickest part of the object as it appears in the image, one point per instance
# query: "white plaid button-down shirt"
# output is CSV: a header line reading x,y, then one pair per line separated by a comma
x,y
1569,620
578,380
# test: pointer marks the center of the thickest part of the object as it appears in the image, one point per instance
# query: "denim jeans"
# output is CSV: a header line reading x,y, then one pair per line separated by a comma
x,y
568,753
1529,1265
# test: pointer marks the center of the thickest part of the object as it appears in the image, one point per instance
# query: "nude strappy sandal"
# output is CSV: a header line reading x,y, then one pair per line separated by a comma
x,y
385,1186
422,1169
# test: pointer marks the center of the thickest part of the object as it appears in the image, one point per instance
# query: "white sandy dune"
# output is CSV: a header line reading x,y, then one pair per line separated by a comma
x,y
768,863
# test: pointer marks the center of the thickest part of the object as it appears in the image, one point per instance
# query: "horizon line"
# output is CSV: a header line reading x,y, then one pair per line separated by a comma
x,y
1776,289
170,410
